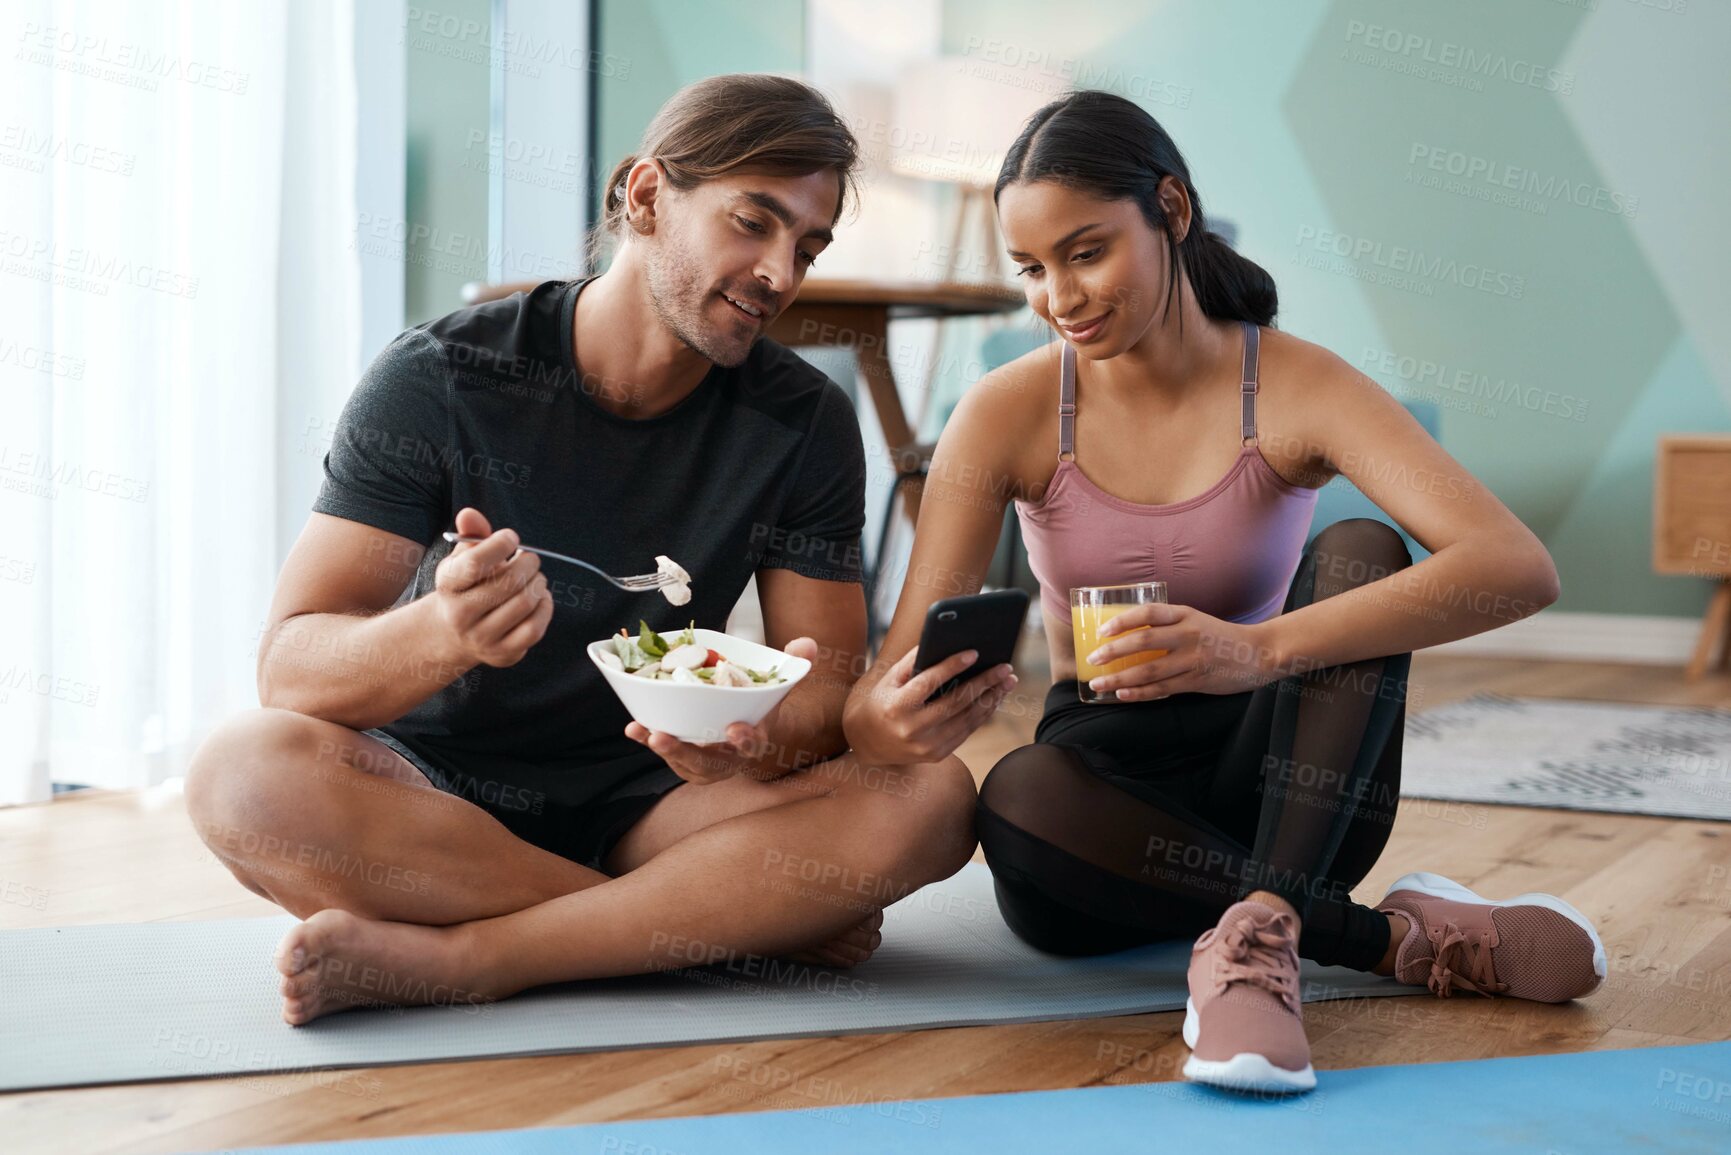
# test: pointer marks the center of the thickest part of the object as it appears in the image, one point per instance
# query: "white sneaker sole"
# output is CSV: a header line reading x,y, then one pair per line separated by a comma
x,y
1437,886
1246,1071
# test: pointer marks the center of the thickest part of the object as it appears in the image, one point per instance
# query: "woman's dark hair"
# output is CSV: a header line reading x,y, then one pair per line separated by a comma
x,y
739,122
1105,145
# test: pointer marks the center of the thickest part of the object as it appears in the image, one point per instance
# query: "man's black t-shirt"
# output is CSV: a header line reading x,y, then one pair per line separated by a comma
x,y
761,466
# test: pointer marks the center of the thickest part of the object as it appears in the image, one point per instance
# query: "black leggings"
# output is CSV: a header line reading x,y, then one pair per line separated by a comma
x,y
1130,823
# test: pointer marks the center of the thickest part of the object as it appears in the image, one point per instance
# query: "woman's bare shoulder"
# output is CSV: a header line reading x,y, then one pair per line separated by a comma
x,y
1308,393
1006,422
1287,351
1016,395
1304,374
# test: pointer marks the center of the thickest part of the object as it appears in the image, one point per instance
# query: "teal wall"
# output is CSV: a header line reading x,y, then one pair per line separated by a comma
x,y
1310,124
667,44
1301,124
448,77
653,47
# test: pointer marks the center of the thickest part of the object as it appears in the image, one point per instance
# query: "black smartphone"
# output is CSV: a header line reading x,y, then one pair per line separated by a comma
x,y
990,623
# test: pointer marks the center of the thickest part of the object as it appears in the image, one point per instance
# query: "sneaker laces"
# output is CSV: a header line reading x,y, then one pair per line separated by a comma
x,y
1259,955
1461,960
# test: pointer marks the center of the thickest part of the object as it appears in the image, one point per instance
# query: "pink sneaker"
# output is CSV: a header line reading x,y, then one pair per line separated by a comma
x,y
1244,1022
1532,946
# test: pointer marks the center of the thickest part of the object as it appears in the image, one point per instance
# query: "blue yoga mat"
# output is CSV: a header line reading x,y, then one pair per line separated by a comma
x,y
1652,1099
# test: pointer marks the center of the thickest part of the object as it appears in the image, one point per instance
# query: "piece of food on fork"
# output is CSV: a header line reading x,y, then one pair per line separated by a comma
x,y
677,590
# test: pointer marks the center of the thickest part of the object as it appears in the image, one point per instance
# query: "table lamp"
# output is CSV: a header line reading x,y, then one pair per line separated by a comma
x,y
955,117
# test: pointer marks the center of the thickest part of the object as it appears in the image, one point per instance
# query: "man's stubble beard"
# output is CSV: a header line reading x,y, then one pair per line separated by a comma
x,y
678,299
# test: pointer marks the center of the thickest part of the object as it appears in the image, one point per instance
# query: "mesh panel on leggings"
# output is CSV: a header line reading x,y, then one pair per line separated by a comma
x,y
1313,769
1328,732
1048,797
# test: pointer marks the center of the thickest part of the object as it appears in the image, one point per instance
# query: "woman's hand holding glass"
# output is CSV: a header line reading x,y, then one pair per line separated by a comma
x,y
1203,654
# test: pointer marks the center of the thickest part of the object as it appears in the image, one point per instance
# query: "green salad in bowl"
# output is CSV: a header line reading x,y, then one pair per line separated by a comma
x,y
679,658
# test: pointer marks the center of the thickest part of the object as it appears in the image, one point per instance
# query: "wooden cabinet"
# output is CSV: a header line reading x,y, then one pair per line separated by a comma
x,y
1692,530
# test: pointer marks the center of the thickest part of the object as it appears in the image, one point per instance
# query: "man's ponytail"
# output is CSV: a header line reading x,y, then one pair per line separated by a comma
x,y
613,196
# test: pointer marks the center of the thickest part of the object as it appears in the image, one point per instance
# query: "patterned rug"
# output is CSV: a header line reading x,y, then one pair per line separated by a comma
x,y
1664,760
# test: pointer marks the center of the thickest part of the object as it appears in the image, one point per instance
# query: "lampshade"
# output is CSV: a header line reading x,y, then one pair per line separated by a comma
x,y
955,117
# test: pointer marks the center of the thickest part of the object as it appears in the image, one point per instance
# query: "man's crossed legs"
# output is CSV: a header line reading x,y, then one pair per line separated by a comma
x,y
410,894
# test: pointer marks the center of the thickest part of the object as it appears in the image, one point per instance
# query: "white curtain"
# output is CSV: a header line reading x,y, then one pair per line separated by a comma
x,y
179,296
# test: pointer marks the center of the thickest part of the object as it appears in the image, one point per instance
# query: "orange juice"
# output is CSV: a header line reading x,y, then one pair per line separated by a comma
x,y
1087,620
1091,607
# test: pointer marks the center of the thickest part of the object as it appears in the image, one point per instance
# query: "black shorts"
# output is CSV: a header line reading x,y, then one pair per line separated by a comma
x,y
1161,749
577,811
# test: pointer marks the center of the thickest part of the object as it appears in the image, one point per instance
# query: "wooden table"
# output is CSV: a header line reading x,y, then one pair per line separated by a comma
x,y
856,315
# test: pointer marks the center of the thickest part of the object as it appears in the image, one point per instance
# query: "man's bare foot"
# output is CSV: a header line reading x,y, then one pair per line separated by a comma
x,y
337,961
847,949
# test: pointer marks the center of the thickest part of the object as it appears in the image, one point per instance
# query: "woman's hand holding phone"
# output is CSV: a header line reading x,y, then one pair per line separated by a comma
x,y
898,722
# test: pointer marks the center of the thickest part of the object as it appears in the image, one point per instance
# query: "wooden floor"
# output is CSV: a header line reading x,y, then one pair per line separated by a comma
x,y
1659,890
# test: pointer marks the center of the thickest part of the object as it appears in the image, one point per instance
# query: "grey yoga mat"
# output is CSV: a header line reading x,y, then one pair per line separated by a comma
x,y
135,1002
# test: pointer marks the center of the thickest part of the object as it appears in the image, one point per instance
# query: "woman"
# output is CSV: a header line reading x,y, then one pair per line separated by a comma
x,y
1248,778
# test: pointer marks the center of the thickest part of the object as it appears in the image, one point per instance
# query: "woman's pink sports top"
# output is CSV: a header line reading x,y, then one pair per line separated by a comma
x,y
1230,552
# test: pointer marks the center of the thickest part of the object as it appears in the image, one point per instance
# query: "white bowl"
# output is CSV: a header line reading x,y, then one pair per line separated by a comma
x,y
702,714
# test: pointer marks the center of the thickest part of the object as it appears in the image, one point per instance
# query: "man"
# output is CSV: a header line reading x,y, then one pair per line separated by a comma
x,y
439,781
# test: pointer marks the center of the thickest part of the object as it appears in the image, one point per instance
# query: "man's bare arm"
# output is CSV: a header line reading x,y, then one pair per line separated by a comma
x,y
807,727
333,649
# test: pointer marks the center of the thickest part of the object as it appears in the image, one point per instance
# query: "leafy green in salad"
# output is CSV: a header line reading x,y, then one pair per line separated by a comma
x,y
678,658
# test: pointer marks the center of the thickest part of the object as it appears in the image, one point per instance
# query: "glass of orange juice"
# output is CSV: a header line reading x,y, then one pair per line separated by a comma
x,y
1092,607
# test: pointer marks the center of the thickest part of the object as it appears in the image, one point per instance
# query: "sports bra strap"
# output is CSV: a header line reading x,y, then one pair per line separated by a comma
x,y
1067,393
1067,405
1247,387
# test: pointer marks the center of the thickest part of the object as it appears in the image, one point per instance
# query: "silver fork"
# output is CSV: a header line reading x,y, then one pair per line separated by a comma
x,y
636,583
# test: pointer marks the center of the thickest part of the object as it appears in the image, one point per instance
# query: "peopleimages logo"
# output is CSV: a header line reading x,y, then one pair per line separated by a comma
x,y
1481,170
21,146
135,65
41,475
88,270
1406,267
1452,61
1039,69
1431,378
